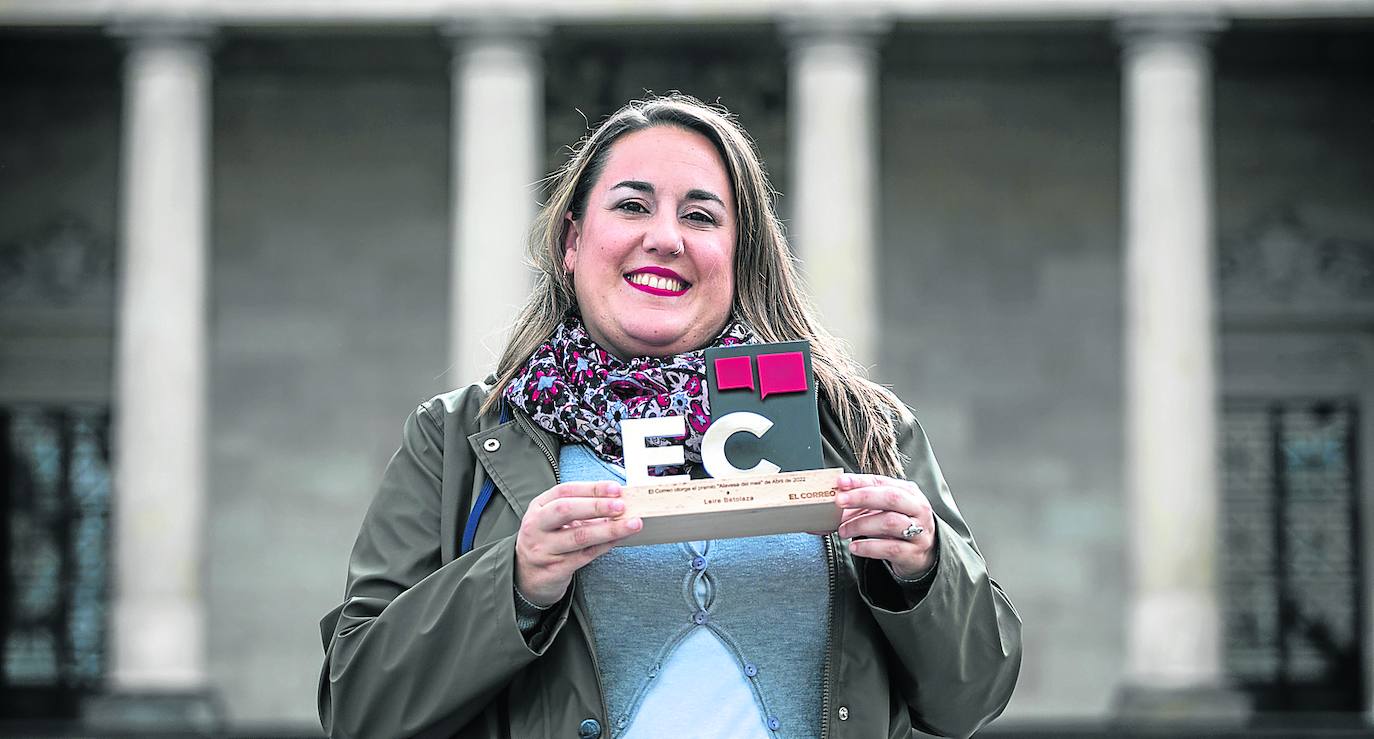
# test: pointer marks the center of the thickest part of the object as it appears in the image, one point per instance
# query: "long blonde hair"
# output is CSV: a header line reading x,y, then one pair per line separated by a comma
x,y
768,293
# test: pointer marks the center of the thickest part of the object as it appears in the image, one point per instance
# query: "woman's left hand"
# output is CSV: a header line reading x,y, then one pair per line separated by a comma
x,y
893,517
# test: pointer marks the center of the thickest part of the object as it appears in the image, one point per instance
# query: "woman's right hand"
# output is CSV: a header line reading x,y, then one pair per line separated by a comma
x,y
567,526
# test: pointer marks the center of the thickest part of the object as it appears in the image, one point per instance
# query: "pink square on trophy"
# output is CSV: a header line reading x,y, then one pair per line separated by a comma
x,y
734,372
781,373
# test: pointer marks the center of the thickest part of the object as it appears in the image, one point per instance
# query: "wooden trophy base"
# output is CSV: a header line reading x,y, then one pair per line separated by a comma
x,y
753,505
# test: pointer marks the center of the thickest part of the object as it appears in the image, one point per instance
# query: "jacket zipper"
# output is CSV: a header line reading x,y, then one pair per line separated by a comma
x,y
528,426
578,609
830,566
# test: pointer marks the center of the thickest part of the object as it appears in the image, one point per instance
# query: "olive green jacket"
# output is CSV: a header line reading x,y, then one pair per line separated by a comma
x,y
425,642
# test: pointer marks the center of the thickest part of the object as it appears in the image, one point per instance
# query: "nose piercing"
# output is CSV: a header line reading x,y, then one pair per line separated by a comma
x,y
681,247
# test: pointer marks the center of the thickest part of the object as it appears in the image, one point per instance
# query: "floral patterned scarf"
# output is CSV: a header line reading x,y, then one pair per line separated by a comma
x,y
580,392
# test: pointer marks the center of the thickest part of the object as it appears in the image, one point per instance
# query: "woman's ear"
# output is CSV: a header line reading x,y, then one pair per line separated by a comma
x,y
572,238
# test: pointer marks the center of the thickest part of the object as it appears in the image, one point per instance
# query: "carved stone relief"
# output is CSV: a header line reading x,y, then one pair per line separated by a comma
x,y
61,264
1283,260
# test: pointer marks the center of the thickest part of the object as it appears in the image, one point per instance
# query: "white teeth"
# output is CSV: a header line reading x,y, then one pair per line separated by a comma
x,y
655,281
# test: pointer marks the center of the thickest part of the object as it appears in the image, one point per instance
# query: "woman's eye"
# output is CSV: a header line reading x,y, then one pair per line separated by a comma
x,y
701,216
631,206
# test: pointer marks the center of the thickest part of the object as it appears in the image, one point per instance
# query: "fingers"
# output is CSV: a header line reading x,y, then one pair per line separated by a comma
x,y
569,502
848,513
881,494
851,480
573,516
892,550
909,558
885,524
563,529
876,514
591,535
603,489
872,539
561,512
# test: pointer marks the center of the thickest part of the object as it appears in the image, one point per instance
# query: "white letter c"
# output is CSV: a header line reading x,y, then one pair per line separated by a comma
x,y
713,445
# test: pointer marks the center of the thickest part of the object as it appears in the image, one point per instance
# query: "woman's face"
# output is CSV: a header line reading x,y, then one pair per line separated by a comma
x,y
652,256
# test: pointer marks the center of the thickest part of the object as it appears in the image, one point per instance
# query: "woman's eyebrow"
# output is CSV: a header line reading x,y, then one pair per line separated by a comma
x,y
639,185
705,195
648,189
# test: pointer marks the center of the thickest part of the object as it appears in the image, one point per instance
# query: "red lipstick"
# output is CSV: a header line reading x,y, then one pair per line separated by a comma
x,y
661,272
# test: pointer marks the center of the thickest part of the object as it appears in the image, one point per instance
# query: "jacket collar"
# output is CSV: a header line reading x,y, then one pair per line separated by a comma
x,y
520,457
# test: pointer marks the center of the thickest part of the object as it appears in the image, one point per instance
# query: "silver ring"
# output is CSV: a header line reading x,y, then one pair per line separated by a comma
x,y
681,247
912,531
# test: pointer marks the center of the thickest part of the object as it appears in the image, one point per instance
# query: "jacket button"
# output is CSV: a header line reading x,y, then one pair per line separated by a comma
x,y
589,729
844,713
491,445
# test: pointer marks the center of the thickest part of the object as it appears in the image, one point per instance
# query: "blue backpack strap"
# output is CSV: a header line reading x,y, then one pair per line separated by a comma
x,y
483,497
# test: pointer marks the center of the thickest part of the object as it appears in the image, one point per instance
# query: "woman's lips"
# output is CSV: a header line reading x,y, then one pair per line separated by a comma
x,y
657,281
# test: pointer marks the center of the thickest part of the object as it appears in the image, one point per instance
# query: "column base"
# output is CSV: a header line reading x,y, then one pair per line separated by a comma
x,y
195,711
1217,705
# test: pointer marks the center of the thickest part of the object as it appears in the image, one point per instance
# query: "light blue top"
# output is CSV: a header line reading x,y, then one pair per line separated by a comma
x,y
710,639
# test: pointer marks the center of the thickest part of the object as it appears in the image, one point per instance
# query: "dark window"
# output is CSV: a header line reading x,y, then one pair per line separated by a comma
x,y
1290,554
54,536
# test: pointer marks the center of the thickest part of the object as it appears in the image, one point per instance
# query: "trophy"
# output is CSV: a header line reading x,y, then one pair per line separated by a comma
x,y
762,452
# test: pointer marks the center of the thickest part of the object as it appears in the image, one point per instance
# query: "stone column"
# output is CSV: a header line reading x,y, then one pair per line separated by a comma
x,y
832,121
1174,646
158,628
498,128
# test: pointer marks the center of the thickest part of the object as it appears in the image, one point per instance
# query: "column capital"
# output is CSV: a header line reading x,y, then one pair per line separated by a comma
x,y
822,24
1197,27
502,26
137,29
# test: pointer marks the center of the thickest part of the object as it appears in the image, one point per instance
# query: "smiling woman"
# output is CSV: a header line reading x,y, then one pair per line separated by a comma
x,y
659,239
650,250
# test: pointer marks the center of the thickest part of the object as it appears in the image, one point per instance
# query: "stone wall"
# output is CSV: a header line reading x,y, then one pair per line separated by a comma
x,y
1002,319
329,312
1001,281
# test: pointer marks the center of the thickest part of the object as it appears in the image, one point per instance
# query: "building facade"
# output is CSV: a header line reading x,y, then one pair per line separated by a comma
x,y
1118,256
